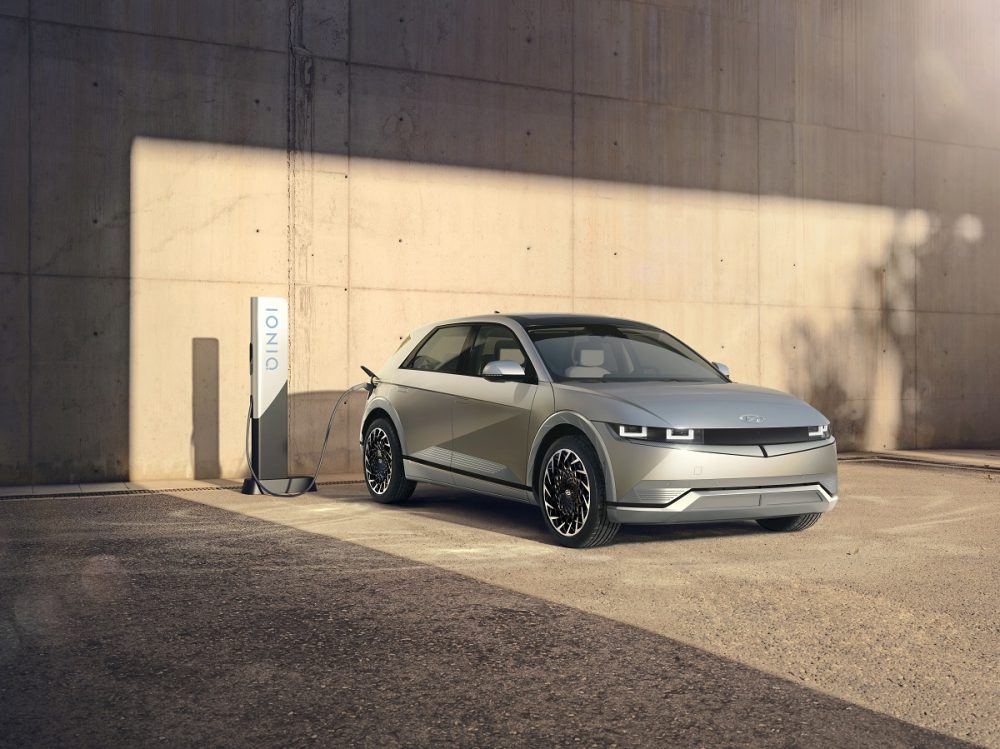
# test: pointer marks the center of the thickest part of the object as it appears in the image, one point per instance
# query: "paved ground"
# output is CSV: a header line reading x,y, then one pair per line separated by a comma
x,y
208,618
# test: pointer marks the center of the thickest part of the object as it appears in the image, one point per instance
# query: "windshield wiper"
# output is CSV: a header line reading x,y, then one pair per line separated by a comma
x,y
608,378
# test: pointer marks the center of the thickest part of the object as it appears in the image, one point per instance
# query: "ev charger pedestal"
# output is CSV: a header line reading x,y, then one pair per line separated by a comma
x,y
269,388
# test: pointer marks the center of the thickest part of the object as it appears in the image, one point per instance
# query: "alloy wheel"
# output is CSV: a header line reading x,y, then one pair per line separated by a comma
x,y
566,492
378,460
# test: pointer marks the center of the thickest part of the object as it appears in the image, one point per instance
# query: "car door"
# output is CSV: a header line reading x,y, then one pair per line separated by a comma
x,y
490,419
423,394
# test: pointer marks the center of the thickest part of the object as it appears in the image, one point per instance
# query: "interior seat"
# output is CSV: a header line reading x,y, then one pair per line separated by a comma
x,y
504,352
589,363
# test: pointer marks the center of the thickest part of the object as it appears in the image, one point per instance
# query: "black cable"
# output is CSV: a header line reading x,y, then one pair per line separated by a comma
x,y
322,452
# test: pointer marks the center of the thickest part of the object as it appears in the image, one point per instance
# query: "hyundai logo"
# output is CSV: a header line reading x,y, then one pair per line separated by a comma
x,y
753,418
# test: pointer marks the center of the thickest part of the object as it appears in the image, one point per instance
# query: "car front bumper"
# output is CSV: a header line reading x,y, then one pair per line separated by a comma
x,y
665,484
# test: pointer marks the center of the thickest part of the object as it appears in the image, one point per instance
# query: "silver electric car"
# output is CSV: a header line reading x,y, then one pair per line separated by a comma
x,y
597,420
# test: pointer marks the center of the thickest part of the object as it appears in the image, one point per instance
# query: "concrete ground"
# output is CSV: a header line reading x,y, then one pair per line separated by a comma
x,y
204,617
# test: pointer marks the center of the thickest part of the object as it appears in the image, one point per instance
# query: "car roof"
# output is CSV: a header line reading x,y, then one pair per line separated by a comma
x,y
545,319
537,319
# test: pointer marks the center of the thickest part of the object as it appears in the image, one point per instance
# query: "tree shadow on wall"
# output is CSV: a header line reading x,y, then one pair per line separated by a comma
x,y
884,374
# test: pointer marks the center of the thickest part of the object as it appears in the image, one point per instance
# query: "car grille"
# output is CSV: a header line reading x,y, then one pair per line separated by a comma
x,y
769,436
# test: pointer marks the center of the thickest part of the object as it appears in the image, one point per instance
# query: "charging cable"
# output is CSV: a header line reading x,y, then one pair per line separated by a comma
x,y
322,452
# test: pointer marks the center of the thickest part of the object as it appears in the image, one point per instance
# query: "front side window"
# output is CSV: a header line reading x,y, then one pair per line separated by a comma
x,y
613,353
495,343
441,351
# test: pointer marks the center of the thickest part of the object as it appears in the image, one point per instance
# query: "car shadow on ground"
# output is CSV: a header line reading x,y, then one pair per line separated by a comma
x,y
524,521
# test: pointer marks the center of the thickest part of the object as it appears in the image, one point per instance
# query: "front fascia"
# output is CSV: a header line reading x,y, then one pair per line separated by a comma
x,y
692,467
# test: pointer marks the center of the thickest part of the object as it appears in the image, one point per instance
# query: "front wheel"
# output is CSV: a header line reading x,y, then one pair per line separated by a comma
x,y
790,523
571,494
383,463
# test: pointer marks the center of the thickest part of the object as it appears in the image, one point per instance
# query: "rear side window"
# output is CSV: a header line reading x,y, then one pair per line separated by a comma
x,y
441,351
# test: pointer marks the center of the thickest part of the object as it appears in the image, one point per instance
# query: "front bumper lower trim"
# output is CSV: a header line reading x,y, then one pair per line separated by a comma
x,y
733,489
744,503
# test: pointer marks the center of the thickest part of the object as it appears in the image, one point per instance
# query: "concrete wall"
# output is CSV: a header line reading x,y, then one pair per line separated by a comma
x,y
805,190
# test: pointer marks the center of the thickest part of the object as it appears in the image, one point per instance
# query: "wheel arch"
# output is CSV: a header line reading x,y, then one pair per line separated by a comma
x,y
379,406
565,423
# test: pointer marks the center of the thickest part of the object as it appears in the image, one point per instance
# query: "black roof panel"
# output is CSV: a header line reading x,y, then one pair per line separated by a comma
x,y
541,319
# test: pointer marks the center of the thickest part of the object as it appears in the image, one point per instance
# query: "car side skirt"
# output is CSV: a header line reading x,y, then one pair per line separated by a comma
x,y
422,470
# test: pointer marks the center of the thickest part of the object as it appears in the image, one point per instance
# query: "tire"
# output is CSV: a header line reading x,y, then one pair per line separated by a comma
x,y
570,492
789,524
382,458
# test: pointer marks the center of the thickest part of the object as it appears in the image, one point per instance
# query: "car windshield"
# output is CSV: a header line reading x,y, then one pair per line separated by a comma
x,y
615,353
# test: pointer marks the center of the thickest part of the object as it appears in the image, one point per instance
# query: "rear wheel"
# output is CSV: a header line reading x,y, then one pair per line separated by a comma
x,y
383,463
789,524
571,494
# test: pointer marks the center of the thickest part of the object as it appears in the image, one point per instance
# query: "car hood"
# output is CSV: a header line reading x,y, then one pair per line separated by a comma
x,y
701,405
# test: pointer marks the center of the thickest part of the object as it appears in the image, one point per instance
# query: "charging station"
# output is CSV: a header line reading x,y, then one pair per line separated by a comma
x,y
269,401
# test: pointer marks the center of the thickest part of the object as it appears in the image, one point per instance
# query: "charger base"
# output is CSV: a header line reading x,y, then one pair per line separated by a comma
x,y
287,485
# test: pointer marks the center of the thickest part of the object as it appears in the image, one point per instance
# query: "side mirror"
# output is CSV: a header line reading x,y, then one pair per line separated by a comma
x,y
721,367
503,370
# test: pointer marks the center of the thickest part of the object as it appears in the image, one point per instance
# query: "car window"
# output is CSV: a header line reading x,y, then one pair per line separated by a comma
x,y
442,351
617,353
495,343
